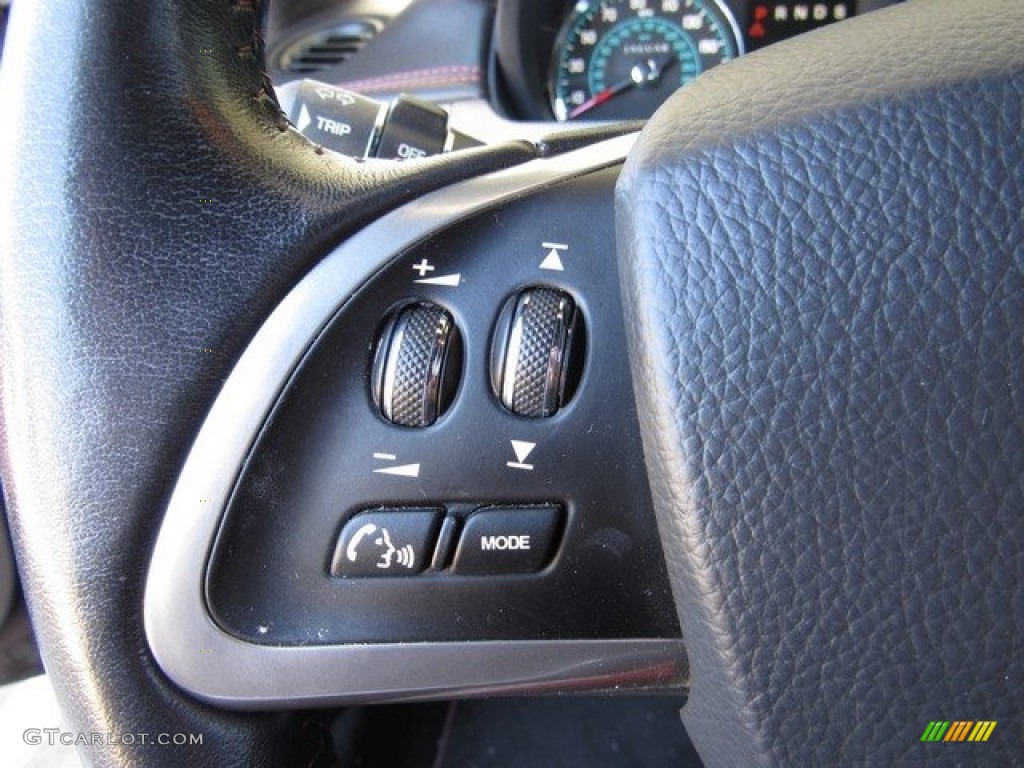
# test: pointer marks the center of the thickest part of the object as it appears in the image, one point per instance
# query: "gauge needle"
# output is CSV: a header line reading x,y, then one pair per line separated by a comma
x,y
600,98
645,72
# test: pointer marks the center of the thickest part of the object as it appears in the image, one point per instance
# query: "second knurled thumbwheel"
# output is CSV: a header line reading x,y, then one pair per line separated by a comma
x,y
417,365
537,356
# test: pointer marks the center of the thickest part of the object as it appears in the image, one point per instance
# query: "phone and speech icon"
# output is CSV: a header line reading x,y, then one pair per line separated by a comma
x,y
375,542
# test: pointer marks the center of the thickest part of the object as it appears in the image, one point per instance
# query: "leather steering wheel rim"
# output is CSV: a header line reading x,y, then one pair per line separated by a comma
x,y
156,206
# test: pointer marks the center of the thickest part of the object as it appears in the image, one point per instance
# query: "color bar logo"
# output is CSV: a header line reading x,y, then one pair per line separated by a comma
x,y
958,730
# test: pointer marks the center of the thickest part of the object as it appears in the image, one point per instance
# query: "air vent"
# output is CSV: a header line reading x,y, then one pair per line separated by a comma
x,y
328,47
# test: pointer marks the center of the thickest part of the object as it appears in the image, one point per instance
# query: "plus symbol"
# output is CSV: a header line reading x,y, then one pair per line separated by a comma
x,y
423,267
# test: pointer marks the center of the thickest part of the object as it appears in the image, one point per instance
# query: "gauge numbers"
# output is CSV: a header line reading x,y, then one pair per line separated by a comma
x,y
620,59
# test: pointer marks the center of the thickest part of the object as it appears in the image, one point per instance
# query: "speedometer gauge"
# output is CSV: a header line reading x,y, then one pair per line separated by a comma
x,y
620,59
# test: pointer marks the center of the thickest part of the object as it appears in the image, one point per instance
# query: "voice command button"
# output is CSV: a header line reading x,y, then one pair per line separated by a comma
x,y
386,542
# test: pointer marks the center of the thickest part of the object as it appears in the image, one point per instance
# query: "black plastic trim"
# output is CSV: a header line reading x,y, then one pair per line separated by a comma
x,y
202,658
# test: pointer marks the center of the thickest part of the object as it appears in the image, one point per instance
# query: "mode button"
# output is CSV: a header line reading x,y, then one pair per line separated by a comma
x,y
507,540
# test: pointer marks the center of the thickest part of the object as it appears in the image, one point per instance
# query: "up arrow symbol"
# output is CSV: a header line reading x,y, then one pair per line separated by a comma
x,y
553,260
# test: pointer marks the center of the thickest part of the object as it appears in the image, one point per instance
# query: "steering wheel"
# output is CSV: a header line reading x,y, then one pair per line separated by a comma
x,y
821,252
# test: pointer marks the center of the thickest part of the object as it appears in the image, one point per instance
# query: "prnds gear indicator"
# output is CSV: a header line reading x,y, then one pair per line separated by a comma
x,y
775,21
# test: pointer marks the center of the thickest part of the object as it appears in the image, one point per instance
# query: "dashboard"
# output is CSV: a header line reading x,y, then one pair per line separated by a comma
x,y
620,59
532,61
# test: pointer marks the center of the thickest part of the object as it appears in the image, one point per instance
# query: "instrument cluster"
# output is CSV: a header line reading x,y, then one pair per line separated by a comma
x,y
620,59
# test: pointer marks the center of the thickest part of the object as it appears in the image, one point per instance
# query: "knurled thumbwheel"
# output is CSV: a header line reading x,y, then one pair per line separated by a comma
x,y
537,356
417,365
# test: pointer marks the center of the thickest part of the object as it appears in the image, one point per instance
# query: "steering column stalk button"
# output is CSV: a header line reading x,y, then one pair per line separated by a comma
x,y
414,128
507,540
340,120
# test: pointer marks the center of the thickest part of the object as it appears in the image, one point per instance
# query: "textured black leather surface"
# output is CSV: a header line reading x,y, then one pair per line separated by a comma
x,y
822,249
153,208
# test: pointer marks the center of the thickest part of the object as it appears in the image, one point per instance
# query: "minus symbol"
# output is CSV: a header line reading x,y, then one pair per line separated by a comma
x,y
385,456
